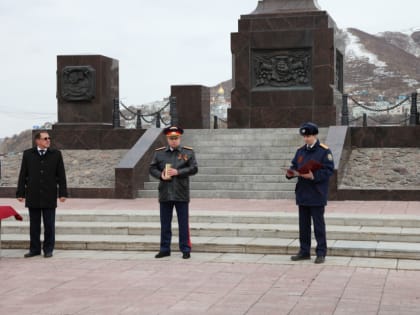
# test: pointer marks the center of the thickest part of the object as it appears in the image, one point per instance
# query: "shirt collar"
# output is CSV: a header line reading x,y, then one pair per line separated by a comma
x,y
310,147
168,148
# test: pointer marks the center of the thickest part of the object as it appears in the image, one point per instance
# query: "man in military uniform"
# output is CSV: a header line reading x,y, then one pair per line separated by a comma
x,y
313,165
172,165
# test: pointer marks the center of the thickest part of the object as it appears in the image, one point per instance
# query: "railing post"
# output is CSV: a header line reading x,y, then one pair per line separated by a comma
x,y
116,114
345,111
172,111
364,120
138,122
158,120
413,110
215,122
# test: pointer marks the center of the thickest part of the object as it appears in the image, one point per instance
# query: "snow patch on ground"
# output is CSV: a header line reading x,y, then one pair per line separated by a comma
x,y
410,82
356,50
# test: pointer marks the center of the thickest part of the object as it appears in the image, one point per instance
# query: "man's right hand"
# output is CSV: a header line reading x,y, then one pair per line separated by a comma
x,y
20,199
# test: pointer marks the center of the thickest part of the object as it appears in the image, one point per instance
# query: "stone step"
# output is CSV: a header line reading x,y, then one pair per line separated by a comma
x,y
241,170
244,163
223,194
258,144
336,232
237,217
283,151
250,245
259,141
253,131
236,178
231,186
261,155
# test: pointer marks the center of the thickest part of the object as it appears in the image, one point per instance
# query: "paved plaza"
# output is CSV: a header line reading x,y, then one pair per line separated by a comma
x,y
132,282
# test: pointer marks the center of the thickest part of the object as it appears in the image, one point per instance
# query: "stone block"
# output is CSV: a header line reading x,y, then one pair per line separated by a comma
x,y
284,69
193,106
86,88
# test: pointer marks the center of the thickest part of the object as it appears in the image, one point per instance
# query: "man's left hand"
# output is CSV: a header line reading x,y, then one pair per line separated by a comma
x,y
309,175
172,172
62,199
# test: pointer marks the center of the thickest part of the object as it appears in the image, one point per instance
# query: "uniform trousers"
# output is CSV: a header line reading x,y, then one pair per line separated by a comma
x,y
166,211
48,217
317,215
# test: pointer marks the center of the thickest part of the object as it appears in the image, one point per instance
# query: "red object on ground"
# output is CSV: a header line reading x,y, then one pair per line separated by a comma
x,y
8,211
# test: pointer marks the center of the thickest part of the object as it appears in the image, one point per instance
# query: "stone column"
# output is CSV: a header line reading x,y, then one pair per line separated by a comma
x,y
86,88
286,66
192,106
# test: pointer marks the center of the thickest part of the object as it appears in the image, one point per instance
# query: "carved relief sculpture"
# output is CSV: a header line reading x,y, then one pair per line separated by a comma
x,y
285,68
78,83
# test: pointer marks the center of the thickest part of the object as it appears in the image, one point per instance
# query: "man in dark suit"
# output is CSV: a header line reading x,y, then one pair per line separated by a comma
x,y
42,179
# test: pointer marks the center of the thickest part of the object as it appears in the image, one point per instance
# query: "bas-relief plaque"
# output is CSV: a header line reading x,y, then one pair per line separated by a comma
x,y
78,83
281,68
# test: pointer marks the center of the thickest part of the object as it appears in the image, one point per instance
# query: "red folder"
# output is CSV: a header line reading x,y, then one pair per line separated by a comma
x,y
8,211
311,165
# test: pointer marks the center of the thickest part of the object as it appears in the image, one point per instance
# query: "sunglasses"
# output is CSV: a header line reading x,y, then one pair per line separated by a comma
x,y
46,138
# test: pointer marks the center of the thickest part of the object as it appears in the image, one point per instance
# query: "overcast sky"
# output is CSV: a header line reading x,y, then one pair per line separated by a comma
x,y
158,43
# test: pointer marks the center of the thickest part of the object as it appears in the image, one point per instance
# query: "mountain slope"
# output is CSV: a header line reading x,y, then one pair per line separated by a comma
x,y
384,64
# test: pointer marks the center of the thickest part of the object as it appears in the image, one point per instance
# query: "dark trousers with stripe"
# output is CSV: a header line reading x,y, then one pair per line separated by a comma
x,y
317,215
166,211
48,217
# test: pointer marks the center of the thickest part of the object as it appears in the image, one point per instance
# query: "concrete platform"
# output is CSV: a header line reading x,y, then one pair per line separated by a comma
x,y
133,282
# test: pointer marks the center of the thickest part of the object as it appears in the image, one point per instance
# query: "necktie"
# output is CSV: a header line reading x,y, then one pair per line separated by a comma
x,y
42,152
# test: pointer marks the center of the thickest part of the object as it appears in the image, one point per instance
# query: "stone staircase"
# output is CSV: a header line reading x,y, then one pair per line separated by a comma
x,y
262,232
240,163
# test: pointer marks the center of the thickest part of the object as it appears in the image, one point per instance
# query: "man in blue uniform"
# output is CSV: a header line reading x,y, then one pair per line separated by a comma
x,y
313,165
172,165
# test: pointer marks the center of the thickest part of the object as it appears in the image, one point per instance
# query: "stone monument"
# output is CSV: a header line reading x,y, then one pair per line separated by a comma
x,y
86,88
287,67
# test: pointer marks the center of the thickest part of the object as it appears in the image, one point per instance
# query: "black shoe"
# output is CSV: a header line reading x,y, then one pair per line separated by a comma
x,y
162,254
186,255
30,254
48,255
300,256
319,260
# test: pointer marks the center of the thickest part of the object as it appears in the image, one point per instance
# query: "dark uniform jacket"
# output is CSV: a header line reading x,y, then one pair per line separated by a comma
x,y
313,192
42,178
183,160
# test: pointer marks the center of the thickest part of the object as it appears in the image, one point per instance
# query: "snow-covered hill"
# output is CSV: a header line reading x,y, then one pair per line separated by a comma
x,y
385,64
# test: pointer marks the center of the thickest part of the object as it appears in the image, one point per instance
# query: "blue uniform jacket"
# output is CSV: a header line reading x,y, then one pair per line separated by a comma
x,y
313,192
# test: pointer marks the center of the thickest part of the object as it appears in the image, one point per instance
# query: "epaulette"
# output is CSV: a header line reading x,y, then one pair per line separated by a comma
x,y
324,146
188,148
159,149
